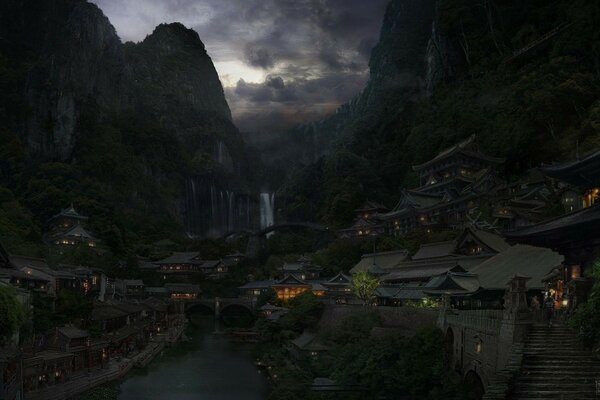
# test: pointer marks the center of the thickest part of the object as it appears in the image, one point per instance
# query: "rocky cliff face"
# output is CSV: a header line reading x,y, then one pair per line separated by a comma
x,y
410,58
77,60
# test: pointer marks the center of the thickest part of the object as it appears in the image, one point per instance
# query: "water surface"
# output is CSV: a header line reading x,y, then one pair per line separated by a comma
x,y
208,367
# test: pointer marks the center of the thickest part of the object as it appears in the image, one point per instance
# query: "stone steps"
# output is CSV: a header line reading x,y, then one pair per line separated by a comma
x,y
555,366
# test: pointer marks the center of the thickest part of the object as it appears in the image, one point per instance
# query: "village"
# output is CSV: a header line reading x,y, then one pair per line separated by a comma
x,y
514,250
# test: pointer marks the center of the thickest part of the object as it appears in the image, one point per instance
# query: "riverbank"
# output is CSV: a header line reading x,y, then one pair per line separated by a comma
x,y
203,366
114,370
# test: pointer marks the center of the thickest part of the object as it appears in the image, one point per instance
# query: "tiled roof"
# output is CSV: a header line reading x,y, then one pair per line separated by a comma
x,y
182,258
384,260
523,260
258,284
434,250
72,332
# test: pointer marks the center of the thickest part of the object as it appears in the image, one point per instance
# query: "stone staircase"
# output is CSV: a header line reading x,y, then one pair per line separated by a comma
x,y
555,366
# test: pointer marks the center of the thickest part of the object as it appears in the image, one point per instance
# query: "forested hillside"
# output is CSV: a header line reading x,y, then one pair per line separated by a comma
x,y
524,76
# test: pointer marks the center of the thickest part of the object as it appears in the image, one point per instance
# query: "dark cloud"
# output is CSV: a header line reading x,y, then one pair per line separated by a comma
x,y
302,58
259,57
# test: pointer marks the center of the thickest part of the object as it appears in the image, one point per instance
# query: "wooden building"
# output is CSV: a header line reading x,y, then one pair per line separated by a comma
x,y
454,168
181,266
304,268
289,287
574,235
68,228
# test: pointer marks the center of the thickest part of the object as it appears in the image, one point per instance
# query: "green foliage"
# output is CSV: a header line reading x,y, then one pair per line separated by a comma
x,y
586,320
364,285
393,364
305,310
12,313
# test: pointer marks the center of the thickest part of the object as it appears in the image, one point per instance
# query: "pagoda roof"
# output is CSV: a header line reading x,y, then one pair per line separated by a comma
x,y
453,283
69,212
468,147
371,206
339,279
291,280
491,240
584,173
563,229
78,231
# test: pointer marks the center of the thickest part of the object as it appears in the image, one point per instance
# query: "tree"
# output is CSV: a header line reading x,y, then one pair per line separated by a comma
x,y
364,285
11,312
587,317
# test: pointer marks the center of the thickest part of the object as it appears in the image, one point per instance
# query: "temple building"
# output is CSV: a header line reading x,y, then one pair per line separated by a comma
x,y
291,286
454,168
181,266
304,268
254,289
67,228
454,187
574,235
367,221
339,288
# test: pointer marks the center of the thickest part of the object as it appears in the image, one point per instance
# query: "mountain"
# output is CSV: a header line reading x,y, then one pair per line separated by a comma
x,y
118,128
522,76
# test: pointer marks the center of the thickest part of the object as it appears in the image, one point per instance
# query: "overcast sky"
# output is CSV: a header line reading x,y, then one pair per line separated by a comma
x,y
282,62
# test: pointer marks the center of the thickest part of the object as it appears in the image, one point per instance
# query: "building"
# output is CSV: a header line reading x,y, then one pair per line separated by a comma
x,y
68,228
254,289
183,291
485,285
182,266
367,221
454,168
291,286
46,368
574,235
130,288
307,345
303,269
88,353
339,288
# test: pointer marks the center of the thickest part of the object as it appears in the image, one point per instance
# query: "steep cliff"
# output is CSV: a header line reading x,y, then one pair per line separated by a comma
x,y
120,127
520,75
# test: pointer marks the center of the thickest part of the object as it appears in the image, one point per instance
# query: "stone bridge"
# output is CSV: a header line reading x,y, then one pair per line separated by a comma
x,y
218,305
482,345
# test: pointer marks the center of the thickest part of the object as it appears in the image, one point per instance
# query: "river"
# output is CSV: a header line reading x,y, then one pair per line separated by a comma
x,y
207,367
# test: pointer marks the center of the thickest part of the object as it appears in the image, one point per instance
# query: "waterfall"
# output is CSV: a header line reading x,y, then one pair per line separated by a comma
x,y
267,205
209,210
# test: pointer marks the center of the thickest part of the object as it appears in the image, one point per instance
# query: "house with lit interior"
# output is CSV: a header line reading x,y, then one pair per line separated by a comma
x,y
68,228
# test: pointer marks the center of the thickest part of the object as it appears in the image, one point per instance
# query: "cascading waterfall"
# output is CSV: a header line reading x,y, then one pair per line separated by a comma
x,y
267,205
209,211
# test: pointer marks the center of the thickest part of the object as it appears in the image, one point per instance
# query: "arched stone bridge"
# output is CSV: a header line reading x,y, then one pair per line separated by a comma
x,y
218,305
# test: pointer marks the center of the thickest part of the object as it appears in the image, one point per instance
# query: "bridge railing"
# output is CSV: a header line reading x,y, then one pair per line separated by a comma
x,y
488,321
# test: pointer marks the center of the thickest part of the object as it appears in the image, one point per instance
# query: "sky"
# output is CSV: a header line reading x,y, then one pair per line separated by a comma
x,y
281,62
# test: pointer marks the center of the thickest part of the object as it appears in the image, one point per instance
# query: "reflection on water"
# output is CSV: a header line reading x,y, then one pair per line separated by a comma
x,y
208,367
